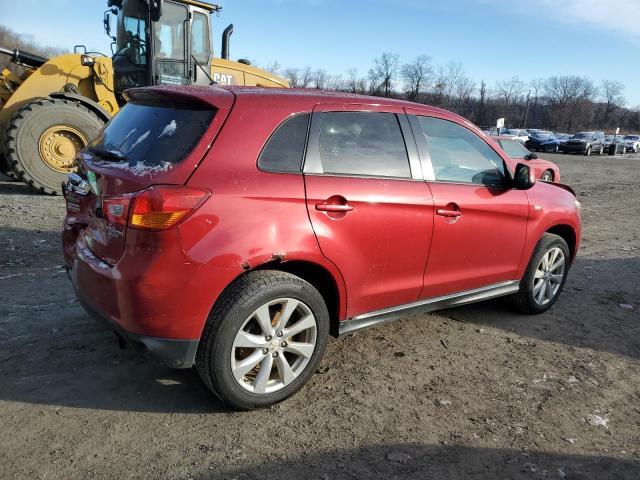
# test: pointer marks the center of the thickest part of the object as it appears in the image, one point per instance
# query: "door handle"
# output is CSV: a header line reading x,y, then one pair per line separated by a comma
x,y
449,213
326,207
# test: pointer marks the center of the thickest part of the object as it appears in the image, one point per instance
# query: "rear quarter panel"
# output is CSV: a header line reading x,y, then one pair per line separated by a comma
x,y
253,217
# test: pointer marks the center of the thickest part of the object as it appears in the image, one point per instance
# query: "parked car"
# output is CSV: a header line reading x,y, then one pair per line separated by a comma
x,y
585,143
542,141
632,142
563,137
619,142
518,134
545,170
238,242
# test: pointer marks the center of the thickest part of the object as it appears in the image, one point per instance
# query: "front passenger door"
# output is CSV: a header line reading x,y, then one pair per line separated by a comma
x,y
480,222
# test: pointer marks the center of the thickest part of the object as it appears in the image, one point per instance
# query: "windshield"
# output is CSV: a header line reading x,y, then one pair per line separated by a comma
x,y
541,134
583,135
632,137
514,149
511,131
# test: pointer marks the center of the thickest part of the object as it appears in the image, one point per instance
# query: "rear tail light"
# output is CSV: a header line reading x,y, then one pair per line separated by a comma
x,y
156,208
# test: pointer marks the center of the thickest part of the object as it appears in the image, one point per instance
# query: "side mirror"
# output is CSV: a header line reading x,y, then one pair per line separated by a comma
x,y
155,9
532,156
523,178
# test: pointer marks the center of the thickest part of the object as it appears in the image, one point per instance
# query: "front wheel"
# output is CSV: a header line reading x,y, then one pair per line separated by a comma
x,y
601,151
588,151
263,340
545,276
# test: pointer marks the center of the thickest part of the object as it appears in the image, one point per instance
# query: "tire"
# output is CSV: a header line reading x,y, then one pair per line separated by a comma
x,y
25,140
547,176
587,152
601,151
527,298
236,310
556,149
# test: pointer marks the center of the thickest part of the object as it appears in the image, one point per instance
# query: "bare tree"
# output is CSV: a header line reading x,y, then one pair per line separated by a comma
x,y
384,73
273,67
293,76
320,79
510,90
306,77
611,93
417,75
569,101
448,77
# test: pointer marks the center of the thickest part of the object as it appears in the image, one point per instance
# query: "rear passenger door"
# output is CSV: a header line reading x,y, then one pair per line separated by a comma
x,y
369,206
480,222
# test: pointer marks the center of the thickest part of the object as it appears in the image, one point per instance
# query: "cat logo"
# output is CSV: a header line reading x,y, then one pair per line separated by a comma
x,y
223,79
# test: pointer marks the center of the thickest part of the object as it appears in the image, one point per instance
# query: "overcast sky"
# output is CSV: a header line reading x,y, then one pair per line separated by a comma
x,y
493,39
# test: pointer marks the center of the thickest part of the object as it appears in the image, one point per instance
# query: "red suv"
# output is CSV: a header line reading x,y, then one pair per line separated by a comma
x,y
236,228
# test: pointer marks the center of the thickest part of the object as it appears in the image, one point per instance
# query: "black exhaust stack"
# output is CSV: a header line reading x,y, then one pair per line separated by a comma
x,y
25,59
225,42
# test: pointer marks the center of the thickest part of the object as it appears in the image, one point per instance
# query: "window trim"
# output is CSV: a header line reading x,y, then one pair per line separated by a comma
x,y
425,156
312,164
275,130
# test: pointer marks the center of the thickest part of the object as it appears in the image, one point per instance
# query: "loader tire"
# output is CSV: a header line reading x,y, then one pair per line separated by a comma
x,y
6,170
43,139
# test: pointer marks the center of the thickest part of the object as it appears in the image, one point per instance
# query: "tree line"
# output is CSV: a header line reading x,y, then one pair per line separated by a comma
x,y
562,103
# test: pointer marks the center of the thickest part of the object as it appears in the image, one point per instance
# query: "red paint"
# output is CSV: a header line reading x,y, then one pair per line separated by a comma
x,y
385,242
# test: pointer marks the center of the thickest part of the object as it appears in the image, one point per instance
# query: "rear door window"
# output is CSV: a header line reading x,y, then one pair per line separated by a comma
x,y
363,143
148,135
284,151
458,155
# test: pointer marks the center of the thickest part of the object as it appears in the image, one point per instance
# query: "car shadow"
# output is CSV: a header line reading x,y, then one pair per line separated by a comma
x,y
411,461
598,309
54,354
14,187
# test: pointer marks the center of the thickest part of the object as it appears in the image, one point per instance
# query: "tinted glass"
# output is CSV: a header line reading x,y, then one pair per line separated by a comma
x,y
514,149
147,135
458,155
583,135
285,149
363,143
200,44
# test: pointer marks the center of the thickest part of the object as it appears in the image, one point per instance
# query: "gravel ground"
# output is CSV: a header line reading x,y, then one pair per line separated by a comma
x,y
472,392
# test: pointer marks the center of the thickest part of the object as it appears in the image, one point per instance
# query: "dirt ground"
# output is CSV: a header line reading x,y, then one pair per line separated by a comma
x,y
472,392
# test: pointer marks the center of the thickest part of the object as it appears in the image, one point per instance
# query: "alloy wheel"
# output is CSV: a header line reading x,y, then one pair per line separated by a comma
x,y
274,345
548,276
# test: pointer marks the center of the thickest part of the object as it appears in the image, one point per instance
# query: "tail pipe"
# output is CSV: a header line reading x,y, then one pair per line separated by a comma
x,y
25,59
225,42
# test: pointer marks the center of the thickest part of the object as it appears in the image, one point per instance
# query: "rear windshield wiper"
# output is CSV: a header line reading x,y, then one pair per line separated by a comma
x,y
108,154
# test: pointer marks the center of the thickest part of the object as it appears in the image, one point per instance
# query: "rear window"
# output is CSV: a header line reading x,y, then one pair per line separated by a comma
x,y
145,135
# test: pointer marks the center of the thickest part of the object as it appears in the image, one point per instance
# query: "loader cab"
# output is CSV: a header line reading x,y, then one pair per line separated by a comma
x,y
161,42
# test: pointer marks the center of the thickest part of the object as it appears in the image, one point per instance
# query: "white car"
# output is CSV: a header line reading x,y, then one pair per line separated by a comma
x,y
517,134
632,143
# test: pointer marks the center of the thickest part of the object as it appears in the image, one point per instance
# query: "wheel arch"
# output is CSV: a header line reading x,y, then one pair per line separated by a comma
x,y
321,279
568,234
85,101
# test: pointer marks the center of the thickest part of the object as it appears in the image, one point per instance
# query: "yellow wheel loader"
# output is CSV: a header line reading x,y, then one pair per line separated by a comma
x,y
58,105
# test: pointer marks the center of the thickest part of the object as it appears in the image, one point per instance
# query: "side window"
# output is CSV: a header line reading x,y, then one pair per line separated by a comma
x,y
458,155
363,143
200,43
285,149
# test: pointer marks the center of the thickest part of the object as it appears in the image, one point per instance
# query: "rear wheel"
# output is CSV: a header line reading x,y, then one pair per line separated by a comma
x,y
43,139
545,276
263,340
